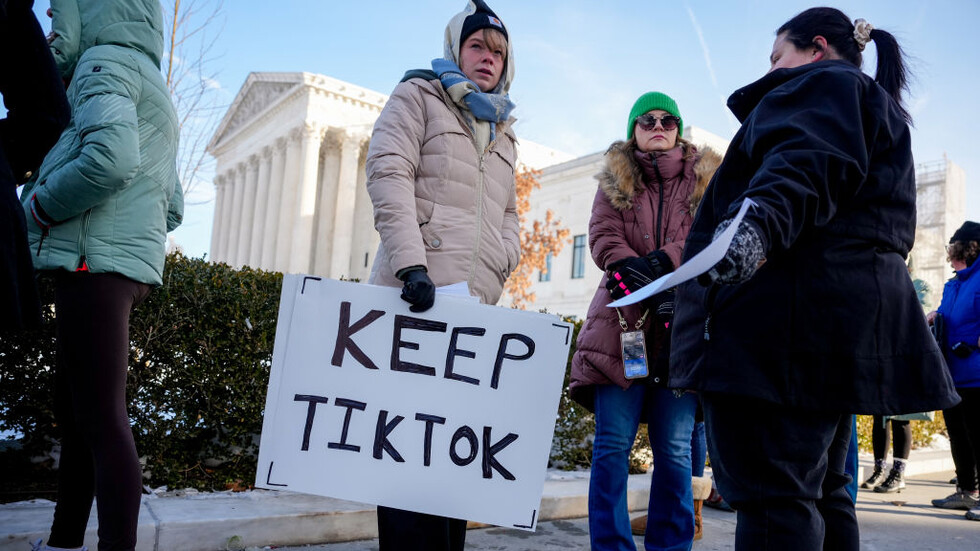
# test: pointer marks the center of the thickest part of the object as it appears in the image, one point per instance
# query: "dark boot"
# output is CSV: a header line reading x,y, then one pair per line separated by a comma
x,y
894,483
876,477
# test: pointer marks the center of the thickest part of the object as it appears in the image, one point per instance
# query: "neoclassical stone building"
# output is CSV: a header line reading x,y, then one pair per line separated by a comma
x,y
290,178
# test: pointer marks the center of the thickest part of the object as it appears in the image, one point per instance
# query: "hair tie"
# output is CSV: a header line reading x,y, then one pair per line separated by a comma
x,y
862,33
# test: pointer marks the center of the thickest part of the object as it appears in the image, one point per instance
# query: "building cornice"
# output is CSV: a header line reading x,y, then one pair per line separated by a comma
x,y
278,98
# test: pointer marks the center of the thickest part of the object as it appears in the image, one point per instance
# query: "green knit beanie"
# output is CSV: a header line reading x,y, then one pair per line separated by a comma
x,y
649,102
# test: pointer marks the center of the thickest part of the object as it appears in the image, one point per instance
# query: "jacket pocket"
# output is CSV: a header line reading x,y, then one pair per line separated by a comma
x,y
429,226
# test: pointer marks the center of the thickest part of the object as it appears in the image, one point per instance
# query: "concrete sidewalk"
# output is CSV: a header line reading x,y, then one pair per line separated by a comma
x,y
209,522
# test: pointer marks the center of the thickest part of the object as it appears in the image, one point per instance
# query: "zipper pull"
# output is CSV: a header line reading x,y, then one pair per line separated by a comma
x,y
707,328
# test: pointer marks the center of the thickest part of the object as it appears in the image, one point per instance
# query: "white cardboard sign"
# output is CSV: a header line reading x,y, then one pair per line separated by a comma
x,y
448,412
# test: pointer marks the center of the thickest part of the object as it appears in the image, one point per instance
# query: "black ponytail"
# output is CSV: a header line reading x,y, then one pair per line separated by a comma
x,y
892,71
830,23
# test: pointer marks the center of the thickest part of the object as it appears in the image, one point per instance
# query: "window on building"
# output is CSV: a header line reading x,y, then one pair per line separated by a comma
x,y
578,257
545,275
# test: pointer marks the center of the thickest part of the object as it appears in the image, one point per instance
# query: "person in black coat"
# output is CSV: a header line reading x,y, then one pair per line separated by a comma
x,y
37,112
811,316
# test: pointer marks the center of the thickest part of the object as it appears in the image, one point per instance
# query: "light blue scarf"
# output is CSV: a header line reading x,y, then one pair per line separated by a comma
x,y
485,106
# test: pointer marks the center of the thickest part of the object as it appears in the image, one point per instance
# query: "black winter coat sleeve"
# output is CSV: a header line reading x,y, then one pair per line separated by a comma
x,y
811,138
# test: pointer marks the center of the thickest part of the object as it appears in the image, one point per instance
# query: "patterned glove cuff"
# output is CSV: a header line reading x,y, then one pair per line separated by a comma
x,y
743,257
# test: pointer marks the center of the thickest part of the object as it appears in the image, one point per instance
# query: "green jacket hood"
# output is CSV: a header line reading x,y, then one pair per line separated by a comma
x,y
82,24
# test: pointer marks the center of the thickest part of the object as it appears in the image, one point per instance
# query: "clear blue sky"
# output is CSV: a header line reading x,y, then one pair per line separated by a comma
x,y
580,64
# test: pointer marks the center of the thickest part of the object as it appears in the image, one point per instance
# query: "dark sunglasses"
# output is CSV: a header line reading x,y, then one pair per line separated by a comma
x,y
648,122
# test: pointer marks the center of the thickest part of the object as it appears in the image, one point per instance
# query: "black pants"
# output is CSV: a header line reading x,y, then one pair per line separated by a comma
x,y
901,437
963,425
98,455
783,470
400,530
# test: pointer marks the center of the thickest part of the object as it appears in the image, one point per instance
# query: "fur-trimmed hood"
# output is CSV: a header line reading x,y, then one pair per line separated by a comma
x,y
705,169
621,178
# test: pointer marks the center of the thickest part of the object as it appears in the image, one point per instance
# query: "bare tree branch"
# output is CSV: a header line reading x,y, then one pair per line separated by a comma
x,y
193,30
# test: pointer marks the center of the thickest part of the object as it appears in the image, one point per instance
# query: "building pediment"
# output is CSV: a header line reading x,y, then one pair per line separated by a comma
x,y
260,93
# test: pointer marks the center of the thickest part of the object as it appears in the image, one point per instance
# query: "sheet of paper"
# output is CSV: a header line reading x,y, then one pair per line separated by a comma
x,y
458,290
695,266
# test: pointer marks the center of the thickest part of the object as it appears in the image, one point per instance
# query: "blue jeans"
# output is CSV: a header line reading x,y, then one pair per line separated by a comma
x,y
699,449
618,413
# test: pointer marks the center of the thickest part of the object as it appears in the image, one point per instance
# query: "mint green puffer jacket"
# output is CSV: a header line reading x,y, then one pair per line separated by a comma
x,y
110,183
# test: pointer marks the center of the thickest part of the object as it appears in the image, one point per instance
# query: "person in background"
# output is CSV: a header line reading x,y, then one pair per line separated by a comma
x,y
811,315
100,208
441,175
640,218
960,311
894,480
37,112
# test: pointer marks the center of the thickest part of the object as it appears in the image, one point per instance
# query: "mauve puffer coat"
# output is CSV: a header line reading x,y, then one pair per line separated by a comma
x,y
623,224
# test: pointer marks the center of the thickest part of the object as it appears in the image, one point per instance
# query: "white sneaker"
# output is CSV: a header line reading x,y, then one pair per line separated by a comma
x,y
973,514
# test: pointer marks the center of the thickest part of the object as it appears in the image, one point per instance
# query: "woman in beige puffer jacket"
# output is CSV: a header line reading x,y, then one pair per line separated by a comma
x,y
440,173
441,179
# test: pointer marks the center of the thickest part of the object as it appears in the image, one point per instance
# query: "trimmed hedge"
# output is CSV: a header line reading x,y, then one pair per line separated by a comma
x,y
199,368
201,354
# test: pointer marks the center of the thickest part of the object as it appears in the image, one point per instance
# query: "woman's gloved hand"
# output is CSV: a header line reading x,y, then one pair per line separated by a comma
x,y
419,291
633,273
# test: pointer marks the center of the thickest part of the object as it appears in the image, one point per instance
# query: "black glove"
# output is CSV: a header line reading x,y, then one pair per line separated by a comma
x,y
419,291
744,256
636,272
962,350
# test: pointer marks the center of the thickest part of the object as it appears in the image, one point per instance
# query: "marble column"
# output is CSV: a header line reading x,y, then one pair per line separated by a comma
x,y
329,170
226,214
258,213
248,208
273,199
343,223
303,223
219,200
289,194
235,228
364,242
